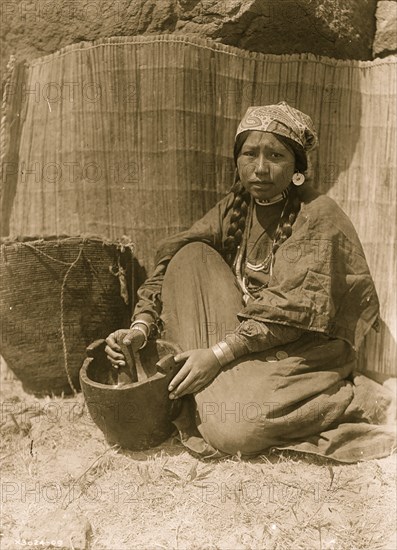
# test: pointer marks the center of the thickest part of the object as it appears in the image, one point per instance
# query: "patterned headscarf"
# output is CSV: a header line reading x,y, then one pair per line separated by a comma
x,y
281,119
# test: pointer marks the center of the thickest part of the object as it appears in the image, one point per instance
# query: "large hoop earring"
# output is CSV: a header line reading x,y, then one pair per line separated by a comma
x,y
298,179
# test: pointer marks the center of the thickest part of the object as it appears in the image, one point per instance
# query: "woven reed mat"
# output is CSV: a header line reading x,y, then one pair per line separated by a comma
x,y
134,136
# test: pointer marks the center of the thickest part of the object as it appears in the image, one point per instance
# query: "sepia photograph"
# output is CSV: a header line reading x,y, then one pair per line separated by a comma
x,y
198,267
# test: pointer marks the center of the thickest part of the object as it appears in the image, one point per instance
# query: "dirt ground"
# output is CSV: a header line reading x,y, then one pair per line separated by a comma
x,y
63,486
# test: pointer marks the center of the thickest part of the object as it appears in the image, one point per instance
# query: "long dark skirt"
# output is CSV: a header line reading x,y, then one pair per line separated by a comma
x,y
310,400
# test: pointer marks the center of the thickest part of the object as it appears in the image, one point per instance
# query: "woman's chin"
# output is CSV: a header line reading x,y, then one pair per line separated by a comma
x,y
263,195
266,191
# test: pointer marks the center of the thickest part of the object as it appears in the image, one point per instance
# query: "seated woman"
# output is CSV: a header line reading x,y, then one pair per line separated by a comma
x,y
269,296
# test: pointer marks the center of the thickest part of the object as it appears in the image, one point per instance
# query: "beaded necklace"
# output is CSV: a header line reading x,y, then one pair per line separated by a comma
x,y
241,262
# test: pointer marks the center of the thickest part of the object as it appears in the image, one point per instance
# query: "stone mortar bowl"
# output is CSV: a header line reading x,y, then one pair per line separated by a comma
x,y
135,415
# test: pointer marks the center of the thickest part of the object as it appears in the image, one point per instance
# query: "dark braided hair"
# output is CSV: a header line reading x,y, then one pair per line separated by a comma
x,y
237,220
242,199
293,203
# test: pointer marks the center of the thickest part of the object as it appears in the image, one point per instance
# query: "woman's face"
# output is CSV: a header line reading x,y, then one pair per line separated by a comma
x,y
265,165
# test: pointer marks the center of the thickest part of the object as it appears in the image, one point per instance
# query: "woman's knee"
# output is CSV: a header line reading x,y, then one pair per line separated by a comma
x,y
236,429
195,253
202,264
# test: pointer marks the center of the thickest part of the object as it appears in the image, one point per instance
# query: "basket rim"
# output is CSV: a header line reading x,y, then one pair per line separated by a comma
x,y
124,241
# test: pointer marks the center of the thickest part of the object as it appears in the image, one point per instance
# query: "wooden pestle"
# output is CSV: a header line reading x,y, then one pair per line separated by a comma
x,y
133,370
167,365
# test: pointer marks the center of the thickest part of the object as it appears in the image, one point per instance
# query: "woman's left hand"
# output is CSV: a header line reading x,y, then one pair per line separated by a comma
x,y
200,368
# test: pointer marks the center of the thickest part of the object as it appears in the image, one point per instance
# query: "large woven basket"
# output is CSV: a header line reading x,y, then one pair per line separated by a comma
x,y
57,295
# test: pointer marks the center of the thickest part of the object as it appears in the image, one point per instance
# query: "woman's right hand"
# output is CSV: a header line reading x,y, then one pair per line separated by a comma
x,y
132,337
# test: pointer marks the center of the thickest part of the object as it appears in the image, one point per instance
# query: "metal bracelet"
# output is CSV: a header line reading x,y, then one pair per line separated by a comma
x,y
219,355
223,353
226,351
143,332
141,322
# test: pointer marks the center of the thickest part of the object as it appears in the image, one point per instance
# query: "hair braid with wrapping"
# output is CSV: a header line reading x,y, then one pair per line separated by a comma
x,y
287,220
293,204
237,221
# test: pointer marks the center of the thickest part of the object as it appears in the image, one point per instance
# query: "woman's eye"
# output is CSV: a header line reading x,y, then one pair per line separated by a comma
x,y
276,155
249,153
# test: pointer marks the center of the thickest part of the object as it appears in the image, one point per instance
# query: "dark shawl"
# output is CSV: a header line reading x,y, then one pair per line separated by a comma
x,y
320,280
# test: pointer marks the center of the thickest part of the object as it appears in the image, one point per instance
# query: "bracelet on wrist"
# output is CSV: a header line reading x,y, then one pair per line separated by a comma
x,y
141,322
223,353
143,331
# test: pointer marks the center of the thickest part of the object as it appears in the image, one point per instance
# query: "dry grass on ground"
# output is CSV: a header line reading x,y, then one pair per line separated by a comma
x,y
53,457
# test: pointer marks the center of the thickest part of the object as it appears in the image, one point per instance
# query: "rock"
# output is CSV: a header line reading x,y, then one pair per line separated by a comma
x,y
385,42
62,529
335,28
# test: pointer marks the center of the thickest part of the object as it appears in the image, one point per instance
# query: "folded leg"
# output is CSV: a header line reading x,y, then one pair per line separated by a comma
x,y
306,401
200,297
